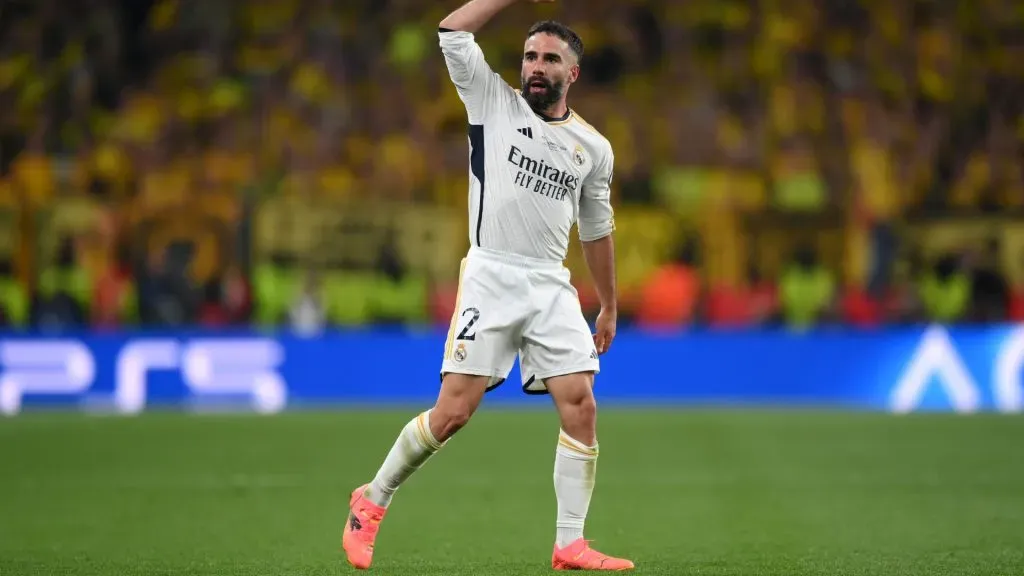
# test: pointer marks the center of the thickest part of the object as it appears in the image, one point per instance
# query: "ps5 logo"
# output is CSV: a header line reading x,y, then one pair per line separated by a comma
x,y
244,368
49,367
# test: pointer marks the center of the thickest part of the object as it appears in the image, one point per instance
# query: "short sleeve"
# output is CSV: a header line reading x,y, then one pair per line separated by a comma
x,y
597,219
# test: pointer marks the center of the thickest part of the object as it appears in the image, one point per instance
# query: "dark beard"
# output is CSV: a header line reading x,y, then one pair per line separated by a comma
x,y
541,101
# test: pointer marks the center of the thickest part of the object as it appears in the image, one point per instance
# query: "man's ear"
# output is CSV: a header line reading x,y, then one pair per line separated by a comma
x,y
574,73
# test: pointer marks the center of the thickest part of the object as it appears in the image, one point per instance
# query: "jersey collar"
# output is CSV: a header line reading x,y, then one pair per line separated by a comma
x,y
546,118
566,116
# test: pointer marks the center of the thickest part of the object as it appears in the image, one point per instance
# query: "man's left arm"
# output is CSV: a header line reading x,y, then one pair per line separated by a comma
x,y
596,225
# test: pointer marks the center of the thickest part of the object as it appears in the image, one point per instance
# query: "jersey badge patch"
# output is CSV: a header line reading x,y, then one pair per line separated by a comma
x,y
578,156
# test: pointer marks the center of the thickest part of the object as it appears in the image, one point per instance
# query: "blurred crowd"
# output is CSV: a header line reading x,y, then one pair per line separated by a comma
x,y
304,162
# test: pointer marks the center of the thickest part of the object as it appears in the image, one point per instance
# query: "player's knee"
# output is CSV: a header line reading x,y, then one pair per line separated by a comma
x,y
574,397
579,418
450,414
585,411
459,397
447,419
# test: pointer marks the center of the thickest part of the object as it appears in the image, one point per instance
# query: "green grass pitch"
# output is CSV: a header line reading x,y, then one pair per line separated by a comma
x,y
704,492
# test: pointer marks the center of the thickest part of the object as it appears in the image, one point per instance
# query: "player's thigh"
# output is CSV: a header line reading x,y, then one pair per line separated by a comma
x,y
484,335
558,342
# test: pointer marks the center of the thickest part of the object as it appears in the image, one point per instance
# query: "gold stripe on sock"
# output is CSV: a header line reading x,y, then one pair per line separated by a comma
x,y
420,433
576,449
426,438
571,444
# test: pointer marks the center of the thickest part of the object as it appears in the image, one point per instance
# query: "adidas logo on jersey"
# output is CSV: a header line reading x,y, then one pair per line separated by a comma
x,y
528,132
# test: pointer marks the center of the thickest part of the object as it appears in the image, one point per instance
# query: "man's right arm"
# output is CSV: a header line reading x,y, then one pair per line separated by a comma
x,y
474,14
479,87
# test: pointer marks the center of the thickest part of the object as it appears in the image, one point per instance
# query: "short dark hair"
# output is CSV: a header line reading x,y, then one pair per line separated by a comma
x,y
561,31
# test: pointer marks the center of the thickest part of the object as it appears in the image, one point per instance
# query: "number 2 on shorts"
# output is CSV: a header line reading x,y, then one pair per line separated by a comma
x,y
466,334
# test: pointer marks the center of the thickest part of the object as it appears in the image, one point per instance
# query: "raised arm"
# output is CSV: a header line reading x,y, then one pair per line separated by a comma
x,y
480,88
474,14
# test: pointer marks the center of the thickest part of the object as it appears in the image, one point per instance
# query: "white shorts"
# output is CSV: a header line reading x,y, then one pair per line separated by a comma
x,y
508,305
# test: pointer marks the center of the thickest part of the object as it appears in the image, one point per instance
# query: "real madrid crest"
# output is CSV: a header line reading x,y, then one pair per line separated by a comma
x,y
460,352
578,156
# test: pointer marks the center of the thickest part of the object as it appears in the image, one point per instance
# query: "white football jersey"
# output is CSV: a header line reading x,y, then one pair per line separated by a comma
x,y
531,177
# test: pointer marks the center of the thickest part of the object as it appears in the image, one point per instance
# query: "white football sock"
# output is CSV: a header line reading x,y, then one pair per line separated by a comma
x,y
414,446
575,472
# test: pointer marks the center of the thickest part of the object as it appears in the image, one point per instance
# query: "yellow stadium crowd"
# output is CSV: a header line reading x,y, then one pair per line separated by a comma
x,y
315,152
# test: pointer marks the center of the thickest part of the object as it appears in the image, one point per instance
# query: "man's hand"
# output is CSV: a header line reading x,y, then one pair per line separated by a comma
x,y
605,326
474,14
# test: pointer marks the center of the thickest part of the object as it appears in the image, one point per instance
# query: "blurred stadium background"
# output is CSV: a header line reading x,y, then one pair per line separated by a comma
x,y
181,163
818,202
